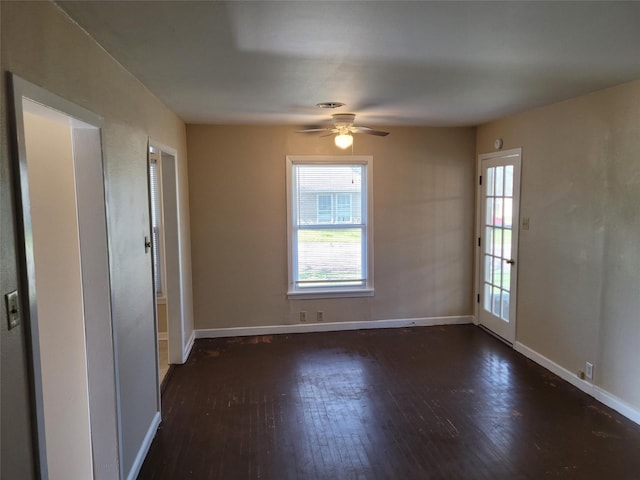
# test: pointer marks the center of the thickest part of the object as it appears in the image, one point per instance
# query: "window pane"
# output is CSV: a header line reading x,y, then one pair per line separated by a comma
x,y
506,244
497,271
488,241
489,219
328,194
508,181
505,306
488,262
497,213
490,182
329,257
495,301
506,276
497,242
499,181
487,297
507,212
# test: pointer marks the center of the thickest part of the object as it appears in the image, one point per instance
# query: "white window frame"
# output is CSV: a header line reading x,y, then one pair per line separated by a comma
x,y
366,290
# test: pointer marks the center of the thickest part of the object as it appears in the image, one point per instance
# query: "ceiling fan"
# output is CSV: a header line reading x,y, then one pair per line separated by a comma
x,y
344,129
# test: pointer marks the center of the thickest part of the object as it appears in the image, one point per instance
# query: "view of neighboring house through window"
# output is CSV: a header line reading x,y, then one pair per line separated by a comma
x,y
325,208
329,202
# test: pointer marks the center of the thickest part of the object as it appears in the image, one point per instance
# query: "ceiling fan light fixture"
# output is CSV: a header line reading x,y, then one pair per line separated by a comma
x,y
344,140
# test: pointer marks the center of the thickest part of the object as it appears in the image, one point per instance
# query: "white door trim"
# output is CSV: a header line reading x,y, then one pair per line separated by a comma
x,y
99,342
173,247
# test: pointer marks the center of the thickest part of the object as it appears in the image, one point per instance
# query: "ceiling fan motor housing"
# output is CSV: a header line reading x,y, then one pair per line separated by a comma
x,y
343,119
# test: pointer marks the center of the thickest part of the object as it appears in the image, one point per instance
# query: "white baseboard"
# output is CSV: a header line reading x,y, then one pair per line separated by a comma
x,y
187,349
573,379
617,404
163,336
596,392
144,448
331,326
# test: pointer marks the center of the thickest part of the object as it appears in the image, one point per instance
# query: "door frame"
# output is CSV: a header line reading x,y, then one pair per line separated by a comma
x,y
478,234
172,258
99,341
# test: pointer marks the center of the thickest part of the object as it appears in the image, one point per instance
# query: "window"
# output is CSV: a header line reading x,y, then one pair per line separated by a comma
x,y
156,224
329,230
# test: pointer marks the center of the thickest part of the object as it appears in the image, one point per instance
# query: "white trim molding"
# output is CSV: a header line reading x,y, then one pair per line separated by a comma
x,y
619,405
331,326
187,348
144,447
589,388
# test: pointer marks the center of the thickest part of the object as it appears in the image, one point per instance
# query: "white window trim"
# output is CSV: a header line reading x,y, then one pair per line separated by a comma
x,y
367,214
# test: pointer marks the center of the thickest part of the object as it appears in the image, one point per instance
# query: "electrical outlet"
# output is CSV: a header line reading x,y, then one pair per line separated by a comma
x,y
588,371
303,316
320,316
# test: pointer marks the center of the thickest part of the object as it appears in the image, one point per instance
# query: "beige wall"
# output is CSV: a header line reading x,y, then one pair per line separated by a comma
x,y
42,45
423,225
579,262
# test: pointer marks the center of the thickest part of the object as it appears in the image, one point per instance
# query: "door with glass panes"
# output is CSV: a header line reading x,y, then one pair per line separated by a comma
x,y
498,241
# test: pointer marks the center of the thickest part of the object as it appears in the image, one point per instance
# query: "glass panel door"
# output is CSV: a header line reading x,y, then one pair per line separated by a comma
x,y
498,241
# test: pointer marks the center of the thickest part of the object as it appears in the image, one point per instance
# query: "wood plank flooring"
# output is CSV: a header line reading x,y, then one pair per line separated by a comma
x,y
418,403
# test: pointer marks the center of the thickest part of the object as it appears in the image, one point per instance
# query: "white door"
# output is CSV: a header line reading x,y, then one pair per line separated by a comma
x,y
498,241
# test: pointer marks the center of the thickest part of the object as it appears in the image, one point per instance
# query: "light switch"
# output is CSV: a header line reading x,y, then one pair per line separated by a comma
x,y
525,223
13,309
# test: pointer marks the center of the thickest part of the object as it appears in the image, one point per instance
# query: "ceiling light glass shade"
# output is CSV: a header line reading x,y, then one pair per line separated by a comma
x,y
344,140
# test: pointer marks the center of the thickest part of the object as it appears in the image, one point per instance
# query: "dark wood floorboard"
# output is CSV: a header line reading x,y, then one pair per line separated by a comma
x,y
418,403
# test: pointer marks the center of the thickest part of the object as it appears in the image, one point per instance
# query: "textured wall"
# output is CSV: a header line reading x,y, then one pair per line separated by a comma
x,y
42,45
423,224
579,262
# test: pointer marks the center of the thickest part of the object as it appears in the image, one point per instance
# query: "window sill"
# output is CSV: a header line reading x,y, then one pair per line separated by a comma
x,y
308,295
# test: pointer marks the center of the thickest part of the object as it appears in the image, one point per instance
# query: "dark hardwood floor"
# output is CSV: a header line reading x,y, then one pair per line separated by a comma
x,y
417,403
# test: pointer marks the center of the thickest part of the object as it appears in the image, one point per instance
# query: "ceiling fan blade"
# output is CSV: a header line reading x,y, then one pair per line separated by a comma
x,y
369,131
314,130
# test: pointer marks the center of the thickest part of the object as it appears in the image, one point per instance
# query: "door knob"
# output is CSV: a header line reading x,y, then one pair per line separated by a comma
x,y
511,261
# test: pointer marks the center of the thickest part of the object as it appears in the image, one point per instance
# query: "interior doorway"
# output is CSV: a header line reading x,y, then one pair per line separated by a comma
x,y
64,284
165,228
498,226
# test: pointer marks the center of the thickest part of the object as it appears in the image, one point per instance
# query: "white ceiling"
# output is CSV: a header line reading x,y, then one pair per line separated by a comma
x,y
391,62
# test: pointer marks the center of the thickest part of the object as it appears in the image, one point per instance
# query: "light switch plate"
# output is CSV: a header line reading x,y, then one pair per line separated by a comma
x,y
13,309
